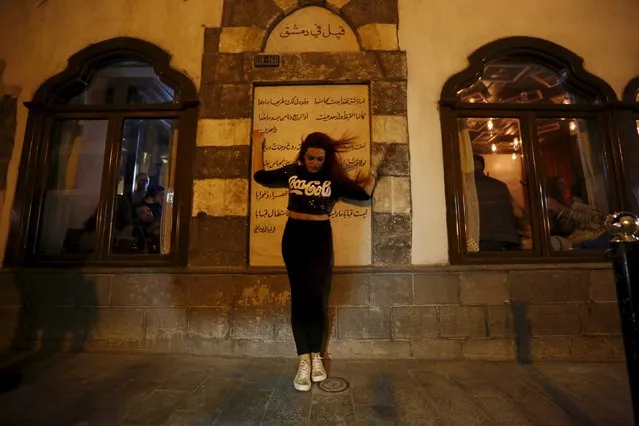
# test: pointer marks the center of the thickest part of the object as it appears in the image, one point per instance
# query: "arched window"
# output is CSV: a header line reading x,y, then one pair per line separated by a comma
x,y
105,174
528,156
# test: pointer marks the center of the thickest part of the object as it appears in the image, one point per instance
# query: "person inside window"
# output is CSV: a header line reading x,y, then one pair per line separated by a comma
x,y
141,186
154,199
500,218
574,224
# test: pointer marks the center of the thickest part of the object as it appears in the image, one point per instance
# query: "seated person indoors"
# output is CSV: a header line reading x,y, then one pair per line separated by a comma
x,y
575,224
499,215
154,199
143,235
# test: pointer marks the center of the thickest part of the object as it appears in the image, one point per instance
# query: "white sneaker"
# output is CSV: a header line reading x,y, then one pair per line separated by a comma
x,y
302,380
319,373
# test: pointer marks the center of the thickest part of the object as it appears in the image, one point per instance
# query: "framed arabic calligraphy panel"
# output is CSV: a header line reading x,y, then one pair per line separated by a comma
x,y
286,114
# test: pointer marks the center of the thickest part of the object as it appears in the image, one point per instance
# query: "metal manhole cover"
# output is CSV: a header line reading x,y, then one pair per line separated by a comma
x,y
334,385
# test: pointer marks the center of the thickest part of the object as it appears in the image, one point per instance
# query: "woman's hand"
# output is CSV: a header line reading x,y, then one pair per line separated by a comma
x,y
258,139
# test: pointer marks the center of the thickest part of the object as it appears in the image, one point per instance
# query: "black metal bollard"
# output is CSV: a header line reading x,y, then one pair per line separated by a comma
x,y
624,252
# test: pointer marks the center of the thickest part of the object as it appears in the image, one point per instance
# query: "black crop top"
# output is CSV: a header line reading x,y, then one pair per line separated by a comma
x,y
310,193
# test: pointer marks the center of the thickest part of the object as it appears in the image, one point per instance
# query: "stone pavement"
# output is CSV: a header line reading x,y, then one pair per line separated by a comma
x,y
134,389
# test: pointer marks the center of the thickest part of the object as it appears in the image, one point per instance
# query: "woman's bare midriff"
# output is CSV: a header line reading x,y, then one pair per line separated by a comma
x,y
306,216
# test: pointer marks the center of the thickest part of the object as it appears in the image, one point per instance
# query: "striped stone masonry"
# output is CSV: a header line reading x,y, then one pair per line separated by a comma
x,y
222,158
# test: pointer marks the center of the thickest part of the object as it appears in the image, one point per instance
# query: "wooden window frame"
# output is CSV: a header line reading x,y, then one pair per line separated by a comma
x,y
45,109
556,58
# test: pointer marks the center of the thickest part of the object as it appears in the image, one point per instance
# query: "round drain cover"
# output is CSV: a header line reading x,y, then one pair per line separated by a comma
x,y
334,385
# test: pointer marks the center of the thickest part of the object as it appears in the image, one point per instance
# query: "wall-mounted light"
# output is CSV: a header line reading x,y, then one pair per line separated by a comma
x,y
490,124
514,156
516,144
573,126
493,148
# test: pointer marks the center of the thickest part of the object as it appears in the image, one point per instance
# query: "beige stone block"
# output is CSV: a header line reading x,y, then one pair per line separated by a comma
x,y
117,324
390,129
547,348
555,319
593,348
165,323
286,4
211,323
240,39
379,36
463,321
437,349
602,286
500,321
223,132
600,318
391,290
489,349
432,289
484,287
253,324
363,323
220,197
379,349
337,3
392,195
413,322
350,290
262,292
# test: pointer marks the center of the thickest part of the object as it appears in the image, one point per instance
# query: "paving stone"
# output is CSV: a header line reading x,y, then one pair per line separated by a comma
x,y
263,375
287,406
186,379
211,396
452,404
133,388
245,407
333,409
157,408
191,418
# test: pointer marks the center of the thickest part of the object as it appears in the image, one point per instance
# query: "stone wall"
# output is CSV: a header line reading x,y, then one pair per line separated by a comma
x,y
442,313
219,229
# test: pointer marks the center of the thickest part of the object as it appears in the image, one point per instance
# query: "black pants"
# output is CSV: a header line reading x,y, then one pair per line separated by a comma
x,y
307,248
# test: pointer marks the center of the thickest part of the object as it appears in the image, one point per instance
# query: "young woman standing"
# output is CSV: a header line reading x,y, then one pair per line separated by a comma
x,y
315,181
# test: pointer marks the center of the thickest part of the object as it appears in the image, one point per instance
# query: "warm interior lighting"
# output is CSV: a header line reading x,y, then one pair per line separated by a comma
x,y
516,144
490,124
573,126
514,156
493,148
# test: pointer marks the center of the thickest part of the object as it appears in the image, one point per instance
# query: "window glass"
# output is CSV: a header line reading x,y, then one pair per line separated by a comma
x,y
125,82
574,172
143,213
72,187
496,203
521,81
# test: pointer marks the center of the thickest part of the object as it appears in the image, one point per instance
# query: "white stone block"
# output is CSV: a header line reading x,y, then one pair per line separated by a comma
x,y
392,195
224,132
241,39
338,3
286,4
220,197
390,129
379,36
